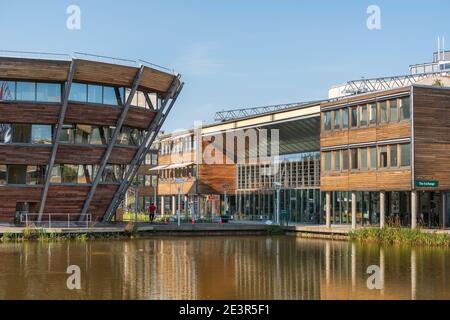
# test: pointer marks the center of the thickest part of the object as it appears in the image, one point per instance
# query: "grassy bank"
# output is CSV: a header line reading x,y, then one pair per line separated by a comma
x,y
392,235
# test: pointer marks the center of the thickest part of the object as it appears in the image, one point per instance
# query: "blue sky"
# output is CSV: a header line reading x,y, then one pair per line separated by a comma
x,y
238,53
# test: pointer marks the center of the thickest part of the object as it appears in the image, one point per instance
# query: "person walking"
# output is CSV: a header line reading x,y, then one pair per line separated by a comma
x,y
152,211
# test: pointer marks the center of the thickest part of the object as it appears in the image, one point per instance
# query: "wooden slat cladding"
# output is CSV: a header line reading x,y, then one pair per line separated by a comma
x,y
156,80
9,196
73,154
167,188
139,118
213,177
66,199
184,157
104,73
23,154
432,135
385,180
31,69
102,198
28,113
391,131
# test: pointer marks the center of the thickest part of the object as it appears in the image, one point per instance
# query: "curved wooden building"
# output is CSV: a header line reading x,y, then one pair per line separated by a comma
x,y
73,132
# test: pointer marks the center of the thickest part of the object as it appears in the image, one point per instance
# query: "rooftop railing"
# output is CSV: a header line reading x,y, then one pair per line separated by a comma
x,y
34,55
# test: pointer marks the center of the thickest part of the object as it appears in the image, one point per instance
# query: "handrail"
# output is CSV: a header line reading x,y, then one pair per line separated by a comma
x,y
35,55
48,218
107,59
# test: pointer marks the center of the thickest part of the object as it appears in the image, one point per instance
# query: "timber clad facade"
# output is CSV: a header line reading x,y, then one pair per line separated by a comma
x,y
385,158
73,133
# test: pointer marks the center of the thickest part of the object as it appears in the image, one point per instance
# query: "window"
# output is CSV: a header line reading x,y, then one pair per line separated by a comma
x,y
405,154
327,121
35,175
345,159
394,156
113,173
78,92
21,133
383,157
393,110
112,96
70,173
344,118
383,112
373,114
41,134
99,136
373,158
48,92
5,133
405,113
85,174
26,91
17,174
363,116
327,161
3,174
129,136
337,119
95,94
363,159
354,155
354,117
7,90
56,175
337,161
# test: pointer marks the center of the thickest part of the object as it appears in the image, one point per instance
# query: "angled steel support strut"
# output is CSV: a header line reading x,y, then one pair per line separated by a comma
x,y
150,137
56,136
111,143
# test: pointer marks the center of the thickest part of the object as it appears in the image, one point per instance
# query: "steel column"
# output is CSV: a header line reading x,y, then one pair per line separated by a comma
x,y
57,136
155,126
112,142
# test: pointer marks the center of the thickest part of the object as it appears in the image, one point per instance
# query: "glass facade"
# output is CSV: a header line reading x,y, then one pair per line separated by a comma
x,y
22,175
26,133
30,91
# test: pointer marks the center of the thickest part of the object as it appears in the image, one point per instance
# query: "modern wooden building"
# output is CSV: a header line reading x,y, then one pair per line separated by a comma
x,y
74,130
385,158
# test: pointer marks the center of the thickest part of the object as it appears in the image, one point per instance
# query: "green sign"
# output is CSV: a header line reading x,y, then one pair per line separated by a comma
x,y
427,184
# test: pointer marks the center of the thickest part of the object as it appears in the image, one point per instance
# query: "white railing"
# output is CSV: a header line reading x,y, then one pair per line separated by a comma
x,y
34,55
55,220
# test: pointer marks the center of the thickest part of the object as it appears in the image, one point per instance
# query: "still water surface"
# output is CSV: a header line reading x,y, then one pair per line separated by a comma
x,y
222,268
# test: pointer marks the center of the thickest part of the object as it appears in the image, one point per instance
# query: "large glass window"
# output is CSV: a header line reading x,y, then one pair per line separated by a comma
x,y
373,114
327,161
5,133
112,96
405,150
41,134
383,112
327,121
337,119
78,92
355,162
394,156
344,118
393,110
363,116
48,92
363,159
85,174
373,158
7,90
354,117
17,174
99,136
35,175
383,157
337,160
345,159
95,94
26,91
129,136
113,173
405,112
